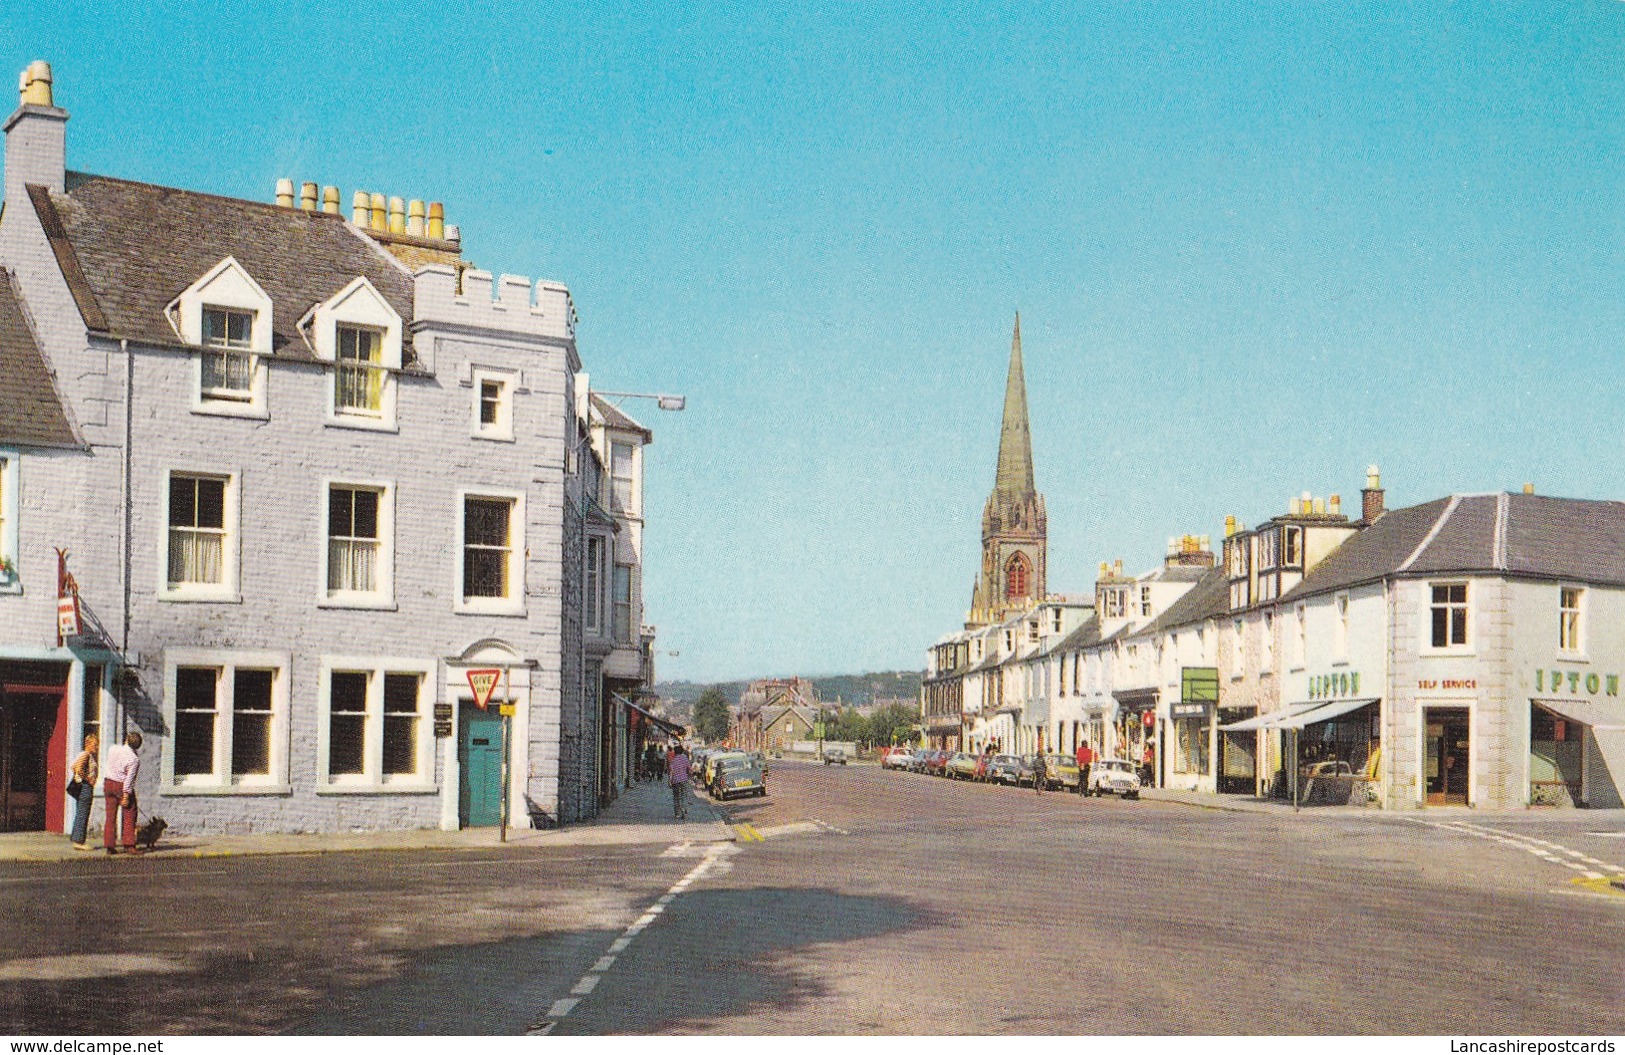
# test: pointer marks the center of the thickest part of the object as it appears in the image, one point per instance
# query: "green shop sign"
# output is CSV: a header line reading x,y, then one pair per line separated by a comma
x,y
1332,686
1573,681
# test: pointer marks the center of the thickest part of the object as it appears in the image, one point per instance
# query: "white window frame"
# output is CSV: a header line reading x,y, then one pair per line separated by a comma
x,y
1571,634
1466,606
382,596
594,589
227,286
10,505
372,779
631,505
514,603
222,781
500,430
358,305
226,590
630,604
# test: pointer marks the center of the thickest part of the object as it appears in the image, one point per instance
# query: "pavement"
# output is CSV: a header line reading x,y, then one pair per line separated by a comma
x,y
640,815
1250,804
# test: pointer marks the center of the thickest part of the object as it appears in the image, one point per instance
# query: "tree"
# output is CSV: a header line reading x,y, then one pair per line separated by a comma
x,y
893,724
711,718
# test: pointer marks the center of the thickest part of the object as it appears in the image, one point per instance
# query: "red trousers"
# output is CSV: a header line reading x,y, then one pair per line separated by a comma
x,y
113,791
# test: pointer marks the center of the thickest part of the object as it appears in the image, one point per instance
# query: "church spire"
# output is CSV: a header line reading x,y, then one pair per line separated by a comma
x,y
1015,441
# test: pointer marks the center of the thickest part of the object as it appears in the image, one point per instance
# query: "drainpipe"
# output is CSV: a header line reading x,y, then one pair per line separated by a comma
x,y
129,428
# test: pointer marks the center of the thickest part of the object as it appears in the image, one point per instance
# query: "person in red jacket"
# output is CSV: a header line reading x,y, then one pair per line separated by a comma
x,y
1086,758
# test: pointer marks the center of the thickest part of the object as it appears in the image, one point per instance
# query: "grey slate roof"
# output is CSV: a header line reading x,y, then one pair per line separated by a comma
x,y
1208,599
616,418
136,246
31,413
1084,636
1577,539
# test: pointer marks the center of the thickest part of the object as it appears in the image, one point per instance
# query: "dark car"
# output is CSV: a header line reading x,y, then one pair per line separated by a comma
x,y
1008,769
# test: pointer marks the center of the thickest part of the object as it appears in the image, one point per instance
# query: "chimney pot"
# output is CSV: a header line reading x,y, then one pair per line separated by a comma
x,y
284,193
397,216
380,213
1529,489
1320,507
437,220
1373,479
414,218
307,197
1334,505
454,233
1229,526
330,200
34,86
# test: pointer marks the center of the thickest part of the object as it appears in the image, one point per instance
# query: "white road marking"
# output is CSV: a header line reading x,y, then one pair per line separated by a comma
x,y
1541,848
679,850
589,981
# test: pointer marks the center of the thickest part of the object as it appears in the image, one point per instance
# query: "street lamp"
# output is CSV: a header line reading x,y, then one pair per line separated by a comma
x,y
662,400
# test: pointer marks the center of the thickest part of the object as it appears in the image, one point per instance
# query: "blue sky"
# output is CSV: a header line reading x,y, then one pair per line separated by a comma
x,y
1255,247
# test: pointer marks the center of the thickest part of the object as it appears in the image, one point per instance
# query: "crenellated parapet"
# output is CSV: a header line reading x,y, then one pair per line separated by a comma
x,y
477,300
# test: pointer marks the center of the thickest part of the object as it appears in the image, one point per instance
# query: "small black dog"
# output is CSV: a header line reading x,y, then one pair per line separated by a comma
x,y
146,836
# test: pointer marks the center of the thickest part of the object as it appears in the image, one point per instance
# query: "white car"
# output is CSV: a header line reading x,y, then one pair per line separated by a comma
x,y
1114,776
897,758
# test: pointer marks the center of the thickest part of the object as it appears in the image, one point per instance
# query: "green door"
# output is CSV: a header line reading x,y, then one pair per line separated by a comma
x,y
479,756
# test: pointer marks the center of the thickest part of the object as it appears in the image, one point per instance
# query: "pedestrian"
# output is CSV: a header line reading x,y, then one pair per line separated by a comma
x,y
1149,765
1040,776
1086,761
83,790
118,787
677,777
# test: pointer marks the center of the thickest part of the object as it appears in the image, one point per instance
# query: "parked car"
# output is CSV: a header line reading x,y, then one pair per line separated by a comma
x,y
1063,772
835,756
937,764
1114,776
960,766
738,776
1007,769
916,764
714,760
896,758
982,762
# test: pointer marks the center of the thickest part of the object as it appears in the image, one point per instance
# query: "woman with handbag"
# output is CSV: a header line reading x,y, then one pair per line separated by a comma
x,y
83,789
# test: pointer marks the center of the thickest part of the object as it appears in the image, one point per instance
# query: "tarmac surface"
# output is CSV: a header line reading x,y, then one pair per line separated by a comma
x,y
850,900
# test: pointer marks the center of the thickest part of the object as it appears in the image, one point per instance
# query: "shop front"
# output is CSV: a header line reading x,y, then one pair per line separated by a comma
x,y
1576,752
1191,731
1135,733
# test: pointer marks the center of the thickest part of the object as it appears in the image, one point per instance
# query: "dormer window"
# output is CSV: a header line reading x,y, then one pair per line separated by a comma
x,y
359,375
228,354
358,333
1291,547
227,317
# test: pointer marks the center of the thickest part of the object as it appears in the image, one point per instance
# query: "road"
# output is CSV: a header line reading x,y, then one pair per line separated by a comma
x,y
859,901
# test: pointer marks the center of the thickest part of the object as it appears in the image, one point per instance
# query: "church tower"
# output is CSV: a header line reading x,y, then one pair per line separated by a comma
x,y
1013,523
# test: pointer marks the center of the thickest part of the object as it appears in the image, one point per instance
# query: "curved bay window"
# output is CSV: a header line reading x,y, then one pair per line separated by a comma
x,y
1018,576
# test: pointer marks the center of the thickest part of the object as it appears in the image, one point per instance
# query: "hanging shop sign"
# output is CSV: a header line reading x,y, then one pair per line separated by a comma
x,y
1576,683
67,600
1342,685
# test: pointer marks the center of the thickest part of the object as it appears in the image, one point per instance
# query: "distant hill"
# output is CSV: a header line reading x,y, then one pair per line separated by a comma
x,y
848,688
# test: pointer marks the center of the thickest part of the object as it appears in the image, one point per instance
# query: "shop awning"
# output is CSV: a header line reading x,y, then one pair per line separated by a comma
x,y
1324,712
1595,713
664,723
1269,720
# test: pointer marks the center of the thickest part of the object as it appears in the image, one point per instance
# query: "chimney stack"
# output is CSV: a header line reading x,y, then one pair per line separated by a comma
x,y
1371,496
36,136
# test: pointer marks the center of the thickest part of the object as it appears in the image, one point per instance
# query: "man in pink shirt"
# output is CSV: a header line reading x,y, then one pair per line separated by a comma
x,y
118,787
677,776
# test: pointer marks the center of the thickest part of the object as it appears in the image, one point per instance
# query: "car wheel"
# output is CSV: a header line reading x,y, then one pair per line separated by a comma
x,y
1133,795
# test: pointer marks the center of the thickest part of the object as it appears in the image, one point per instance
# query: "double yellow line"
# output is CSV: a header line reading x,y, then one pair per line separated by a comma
x,y
747,833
